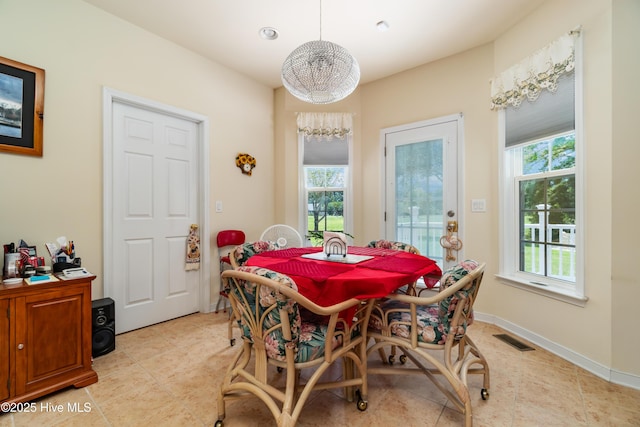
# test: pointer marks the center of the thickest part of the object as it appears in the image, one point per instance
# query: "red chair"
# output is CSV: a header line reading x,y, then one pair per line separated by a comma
x,y
225,240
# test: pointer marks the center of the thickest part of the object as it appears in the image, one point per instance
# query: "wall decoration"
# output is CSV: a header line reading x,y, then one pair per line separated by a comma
x,y
450,242
193,249
246,163
21,108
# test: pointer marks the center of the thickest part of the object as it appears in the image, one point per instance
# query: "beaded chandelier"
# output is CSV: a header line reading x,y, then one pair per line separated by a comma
x,y
320,72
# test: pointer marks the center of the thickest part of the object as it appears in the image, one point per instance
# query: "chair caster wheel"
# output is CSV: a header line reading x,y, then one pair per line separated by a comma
x,y
484,393
362,404
232,342
219,423
392,359
403,359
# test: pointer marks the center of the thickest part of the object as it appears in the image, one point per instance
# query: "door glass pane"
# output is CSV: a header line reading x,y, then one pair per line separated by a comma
x,y
419,192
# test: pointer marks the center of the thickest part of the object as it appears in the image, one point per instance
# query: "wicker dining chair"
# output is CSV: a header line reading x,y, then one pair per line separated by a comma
x,y
408,289
432,333
236,257
278,343
239,256
227,239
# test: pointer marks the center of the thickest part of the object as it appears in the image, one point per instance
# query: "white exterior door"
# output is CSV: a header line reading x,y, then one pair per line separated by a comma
x,y
154,200
421,183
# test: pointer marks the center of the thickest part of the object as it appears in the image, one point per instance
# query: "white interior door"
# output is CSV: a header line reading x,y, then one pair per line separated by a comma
x,y
155,198
421,183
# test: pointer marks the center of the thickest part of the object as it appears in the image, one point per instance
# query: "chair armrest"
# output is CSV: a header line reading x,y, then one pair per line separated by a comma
x,y
294,294
435,299
444,292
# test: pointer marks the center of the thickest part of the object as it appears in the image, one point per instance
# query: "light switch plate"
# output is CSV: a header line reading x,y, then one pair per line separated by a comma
x,y
478,205
218,205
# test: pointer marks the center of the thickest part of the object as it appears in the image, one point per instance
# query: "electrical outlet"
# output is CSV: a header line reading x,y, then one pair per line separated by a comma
x,y
478,205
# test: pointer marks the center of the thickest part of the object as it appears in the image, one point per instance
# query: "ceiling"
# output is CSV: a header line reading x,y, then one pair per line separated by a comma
x,y
227,31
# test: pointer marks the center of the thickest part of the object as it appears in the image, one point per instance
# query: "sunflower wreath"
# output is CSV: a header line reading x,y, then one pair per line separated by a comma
x,y
246,163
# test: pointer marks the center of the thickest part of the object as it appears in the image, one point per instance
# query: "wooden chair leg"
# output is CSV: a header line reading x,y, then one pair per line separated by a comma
x,y
232,340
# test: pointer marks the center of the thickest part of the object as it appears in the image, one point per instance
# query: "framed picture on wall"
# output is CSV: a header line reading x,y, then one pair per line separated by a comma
x,y
21,108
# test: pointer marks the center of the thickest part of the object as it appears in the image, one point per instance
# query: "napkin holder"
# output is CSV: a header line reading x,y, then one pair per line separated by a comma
x,y
335,243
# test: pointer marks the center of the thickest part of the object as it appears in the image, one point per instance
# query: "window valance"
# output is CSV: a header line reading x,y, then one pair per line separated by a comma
x,y
325,124
531,76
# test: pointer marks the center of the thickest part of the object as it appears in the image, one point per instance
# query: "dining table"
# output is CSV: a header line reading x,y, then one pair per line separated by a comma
x,y
363,273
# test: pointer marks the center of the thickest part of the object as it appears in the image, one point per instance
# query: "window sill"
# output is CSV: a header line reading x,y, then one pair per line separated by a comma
x,y
546,291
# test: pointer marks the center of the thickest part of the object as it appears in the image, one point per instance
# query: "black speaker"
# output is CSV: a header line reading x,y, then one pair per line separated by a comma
x,y
104,326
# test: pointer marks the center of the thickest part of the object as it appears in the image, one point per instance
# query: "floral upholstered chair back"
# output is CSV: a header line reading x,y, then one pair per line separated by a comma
x,y
433,322
243,252
447,307
259,308
396,246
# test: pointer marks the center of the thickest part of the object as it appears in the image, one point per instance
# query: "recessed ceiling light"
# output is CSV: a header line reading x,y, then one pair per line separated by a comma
x,y
382,26
268,33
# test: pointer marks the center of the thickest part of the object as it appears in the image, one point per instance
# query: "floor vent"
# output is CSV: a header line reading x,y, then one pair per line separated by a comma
x,y
513,342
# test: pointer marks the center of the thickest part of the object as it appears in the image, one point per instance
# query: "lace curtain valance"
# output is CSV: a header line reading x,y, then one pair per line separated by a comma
x,y
533,74
325,124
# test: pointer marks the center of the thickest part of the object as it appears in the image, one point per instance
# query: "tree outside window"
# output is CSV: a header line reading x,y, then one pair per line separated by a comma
x,y
325,199
548,208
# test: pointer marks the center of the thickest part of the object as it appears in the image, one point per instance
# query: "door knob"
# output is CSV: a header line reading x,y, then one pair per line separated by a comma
x,y
20,346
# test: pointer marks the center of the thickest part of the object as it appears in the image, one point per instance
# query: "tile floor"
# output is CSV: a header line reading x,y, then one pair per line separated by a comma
x,y
168,374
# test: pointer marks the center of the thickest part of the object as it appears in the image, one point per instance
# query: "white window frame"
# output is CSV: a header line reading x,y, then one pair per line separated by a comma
x,y
509,273
303,208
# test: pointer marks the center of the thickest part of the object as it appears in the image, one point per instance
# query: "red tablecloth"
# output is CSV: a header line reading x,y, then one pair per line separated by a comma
x,y
327,282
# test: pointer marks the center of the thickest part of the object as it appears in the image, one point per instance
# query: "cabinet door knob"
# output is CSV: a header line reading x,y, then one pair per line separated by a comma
x,y
20,346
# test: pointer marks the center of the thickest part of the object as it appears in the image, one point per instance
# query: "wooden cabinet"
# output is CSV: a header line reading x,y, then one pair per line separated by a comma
x,y
45,337
4,349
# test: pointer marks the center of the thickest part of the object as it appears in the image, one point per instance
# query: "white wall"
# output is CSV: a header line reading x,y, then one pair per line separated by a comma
x,y
82,49
625,233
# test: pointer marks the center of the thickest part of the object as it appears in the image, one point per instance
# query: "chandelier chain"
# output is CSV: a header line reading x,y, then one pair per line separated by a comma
x,y
320,19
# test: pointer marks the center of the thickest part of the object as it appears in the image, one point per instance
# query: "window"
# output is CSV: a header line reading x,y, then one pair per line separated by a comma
x,y
324,177
325,186
545,183
541,193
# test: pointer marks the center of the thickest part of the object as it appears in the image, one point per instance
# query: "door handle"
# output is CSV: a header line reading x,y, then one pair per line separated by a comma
x,y
450,241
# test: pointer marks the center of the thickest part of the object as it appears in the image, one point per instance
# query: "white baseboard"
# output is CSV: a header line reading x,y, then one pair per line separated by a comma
x,y
604,372
223,304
